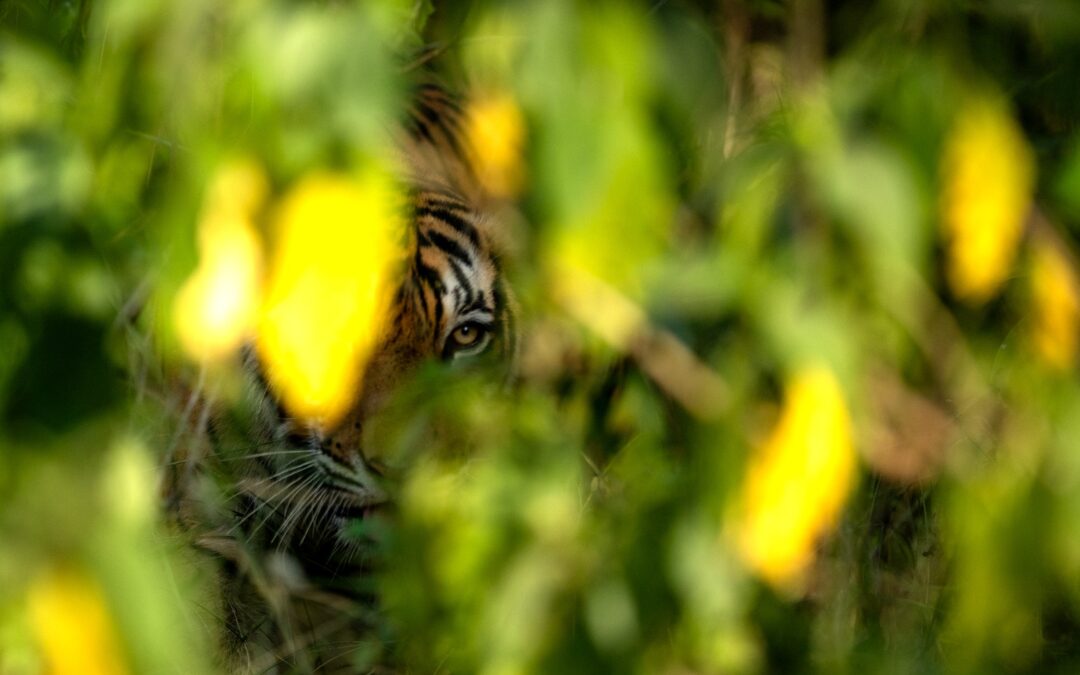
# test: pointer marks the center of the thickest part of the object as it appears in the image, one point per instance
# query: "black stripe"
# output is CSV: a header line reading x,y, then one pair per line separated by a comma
x,y
424,273
452,122
478,304
463,283
436,117
421,129
439,94
460,298
455,221
441,199
450,133
431,276
448,245
418,304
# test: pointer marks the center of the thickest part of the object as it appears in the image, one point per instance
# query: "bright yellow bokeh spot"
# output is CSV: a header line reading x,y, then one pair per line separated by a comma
x,y
215,309
495,128
988,173
328,289
72,625
798,480
1056,306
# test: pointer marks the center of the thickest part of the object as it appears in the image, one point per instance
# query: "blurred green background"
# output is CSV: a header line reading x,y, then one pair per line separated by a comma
x,y
800,310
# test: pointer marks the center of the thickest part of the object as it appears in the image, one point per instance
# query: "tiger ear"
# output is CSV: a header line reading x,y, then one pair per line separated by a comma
x,y
437,156
434,149
428,167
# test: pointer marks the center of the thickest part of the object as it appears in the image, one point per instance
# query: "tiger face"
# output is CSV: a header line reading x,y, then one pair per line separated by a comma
x,y
451,305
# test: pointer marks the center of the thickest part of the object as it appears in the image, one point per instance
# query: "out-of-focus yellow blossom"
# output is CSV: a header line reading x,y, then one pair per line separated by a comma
x,y
1057,307
215,309
798,480
328,289
495,129
73,626
988,174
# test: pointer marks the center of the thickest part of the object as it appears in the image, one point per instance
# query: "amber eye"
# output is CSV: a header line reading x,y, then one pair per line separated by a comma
x,y
466,335
468,338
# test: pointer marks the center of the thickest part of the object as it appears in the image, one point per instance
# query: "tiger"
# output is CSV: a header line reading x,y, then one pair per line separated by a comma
x,y
288,565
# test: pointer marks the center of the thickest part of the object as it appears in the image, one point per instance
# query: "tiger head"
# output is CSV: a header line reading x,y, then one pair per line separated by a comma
x,y
451,304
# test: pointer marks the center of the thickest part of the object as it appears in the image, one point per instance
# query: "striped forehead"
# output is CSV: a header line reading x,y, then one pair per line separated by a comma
x,y
452,258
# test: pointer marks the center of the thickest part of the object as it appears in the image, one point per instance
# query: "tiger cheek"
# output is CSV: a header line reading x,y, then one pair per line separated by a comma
x,y
383,375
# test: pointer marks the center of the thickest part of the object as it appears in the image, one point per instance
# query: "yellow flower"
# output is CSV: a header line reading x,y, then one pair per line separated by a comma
x,y
1057,306
328,290
73,627
798,480
216,307
988,173
495,129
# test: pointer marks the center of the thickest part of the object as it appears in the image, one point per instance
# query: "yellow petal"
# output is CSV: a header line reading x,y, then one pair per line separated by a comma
x,y
988,173
73,626
798,480
495,129
328,290
1056,306
215,309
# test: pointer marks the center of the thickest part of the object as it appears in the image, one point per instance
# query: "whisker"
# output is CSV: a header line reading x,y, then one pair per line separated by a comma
x,y
272,453
298,509
259,490
327,500
288,501
256,455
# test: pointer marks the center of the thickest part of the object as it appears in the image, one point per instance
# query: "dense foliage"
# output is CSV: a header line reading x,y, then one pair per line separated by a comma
x,y
800,311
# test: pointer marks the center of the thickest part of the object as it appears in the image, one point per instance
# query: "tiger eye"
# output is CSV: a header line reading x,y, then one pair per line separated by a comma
x,y
466,335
